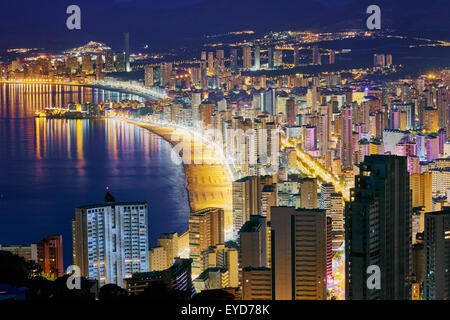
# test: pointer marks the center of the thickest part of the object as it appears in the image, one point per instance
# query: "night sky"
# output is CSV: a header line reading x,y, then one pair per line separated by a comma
x,y
42,23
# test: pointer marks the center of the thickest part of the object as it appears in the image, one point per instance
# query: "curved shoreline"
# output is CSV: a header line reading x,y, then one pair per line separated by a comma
x,y
208,185
87,85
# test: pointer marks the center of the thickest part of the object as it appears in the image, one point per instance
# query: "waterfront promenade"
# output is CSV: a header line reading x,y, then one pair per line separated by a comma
x,y
208,179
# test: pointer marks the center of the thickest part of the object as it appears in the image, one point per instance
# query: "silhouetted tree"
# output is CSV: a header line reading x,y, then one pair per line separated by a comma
x,y
15,270
112,292
157,290
215,294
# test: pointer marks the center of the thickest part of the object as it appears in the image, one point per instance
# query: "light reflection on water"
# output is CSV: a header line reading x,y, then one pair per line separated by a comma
x,y
50,166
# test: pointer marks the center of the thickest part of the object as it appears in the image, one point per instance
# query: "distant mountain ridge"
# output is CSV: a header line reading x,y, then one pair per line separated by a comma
x,y
430,17
106,20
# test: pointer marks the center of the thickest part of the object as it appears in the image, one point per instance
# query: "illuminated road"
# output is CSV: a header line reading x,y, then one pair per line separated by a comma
x,y
315,169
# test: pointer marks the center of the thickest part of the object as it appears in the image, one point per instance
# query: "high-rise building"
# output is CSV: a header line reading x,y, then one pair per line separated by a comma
x,y
296,56
316,59
50,255
157,259
99,67
206,229
270,61
211,62
346,142
324,133
278,58
269,101
224,257
109,61
299,253
443,106
220,56
332,54
253,241
388,60
379,60
149,77
257,58
378,230
126,45
169,241
430,119
120,62
233,60
333,204
308,193
437,256
246,57
268,199
291,112
421,186
256,283
86,64
110,240
246,200
166,72
206,111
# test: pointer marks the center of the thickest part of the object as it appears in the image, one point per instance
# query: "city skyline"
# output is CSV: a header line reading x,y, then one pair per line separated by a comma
x,y
248,164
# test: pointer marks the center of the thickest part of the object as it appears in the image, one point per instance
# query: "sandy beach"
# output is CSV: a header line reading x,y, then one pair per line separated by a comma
x,y
209,185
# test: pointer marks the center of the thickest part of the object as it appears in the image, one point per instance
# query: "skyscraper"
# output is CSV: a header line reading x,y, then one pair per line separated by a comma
x,y
206,229
109,61
269,101
120,62
233,60
316,60
379,60
291,112
99,67
437,256
110,240
256,283
126,39
270,61
86,64
296,56
278,58
166,72
332,54
211,62
308,193
378,230
257,58
299,253
149,77
246,197
346,142
253,240
246,57
324,133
